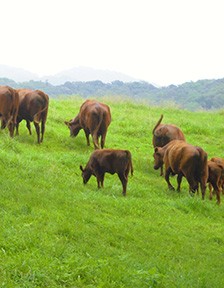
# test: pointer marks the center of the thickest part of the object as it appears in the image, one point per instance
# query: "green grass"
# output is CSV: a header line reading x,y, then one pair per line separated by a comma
x,y
57,232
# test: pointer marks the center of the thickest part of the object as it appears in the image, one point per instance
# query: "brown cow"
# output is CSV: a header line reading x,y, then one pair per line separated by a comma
x,y
110,161
219,161
94,118
163,134
183,159
33,106
9,105
215,178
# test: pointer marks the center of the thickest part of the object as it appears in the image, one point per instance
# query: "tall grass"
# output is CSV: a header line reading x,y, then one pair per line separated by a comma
x,y
57,232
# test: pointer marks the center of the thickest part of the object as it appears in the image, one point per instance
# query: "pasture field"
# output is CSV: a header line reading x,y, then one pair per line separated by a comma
x,y
57,232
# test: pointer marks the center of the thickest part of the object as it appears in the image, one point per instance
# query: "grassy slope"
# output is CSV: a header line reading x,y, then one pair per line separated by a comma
x,y
56,232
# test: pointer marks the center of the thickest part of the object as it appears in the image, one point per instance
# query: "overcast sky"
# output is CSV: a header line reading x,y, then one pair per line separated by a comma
x,y
159,41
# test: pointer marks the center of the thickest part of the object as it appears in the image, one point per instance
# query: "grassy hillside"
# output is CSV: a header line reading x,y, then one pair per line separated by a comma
x,y
56,232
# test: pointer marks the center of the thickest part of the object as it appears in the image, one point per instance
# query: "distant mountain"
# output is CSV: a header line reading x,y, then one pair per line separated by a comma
x,y
85,74
82,74
201,95
17,74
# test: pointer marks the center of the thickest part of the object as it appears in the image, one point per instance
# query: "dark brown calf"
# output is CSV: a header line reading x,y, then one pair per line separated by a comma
x,y
9,105
219,161
215,178
33,107
108,161
94,118
164,133
184,160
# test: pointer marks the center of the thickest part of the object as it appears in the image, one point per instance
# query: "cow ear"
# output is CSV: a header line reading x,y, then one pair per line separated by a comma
x,y
81,168
67,123
156,149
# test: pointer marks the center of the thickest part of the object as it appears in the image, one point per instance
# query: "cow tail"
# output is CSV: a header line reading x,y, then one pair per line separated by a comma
x,y
129,157
160,120
202,167
36,117
204,158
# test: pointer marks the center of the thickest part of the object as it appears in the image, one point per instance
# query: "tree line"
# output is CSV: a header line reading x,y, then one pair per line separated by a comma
x,y
203,94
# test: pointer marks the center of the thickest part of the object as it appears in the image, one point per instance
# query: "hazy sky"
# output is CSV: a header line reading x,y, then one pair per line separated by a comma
x,y
159,41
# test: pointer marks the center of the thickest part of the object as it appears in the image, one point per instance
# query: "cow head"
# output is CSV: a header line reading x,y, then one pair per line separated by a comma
x,y
158,157
86,174
74,126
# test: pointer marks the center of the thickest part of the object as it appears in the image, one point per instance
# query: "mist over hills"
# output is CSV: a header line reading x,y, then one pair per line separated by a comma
x,y
17,74
205,94
75,74
85,74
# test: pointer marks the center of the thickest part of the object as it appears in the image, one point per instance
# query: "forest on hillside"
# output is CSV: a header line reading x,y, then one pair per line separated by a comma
x,y
193,96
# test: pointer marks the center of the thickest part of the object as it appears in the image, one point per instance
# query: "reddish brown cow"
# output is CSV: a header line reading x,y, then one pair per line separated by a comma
x,y
219,161
184,160
94,118
164,133
110,161
9,105
33,107
215,178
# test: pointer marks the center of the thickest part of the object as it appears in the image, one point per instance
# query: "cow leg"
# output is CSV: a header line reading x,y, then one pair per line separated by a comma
x,y
217,191
161,170
103,138
179,179
87,137
37,127
3,124
218,195
95,140
11,128
203,183
28,126
210,190
42,130
167,178
193,185
124,182
100,180
17,128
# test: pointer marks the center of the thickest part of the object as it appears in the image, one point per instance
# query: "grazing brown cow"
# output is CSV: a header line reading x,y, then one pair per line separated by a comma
x,y
9,105
184,160
163,134
110,161
94,118
33,106
215,178
219,161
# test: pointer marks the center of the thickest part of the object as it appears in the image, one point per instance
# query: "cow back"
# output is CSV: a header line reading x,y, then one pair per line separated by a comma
x,y
164,133
94,115
32,104
181,156
111,160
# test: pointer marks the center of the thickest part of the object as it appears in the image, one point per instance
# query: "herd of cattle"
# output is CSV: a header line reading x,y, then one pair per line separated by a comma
x,y
183,159
170,146
23,104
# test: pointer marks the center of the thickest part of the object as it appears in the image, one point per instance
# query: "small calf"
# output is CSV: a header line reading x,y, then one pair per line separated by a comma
x,y
110,161
215,178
